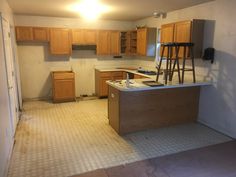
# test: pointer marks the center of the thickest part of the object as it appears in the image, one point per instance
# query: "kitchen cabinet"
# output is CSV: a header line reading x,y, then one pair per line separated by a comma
x,y
60,41
33,34
182,33
185,31
84,36
101,87
24,33
40,34
146,41
115,42
63,86
132,42
108,42
103,43
167,34
129,42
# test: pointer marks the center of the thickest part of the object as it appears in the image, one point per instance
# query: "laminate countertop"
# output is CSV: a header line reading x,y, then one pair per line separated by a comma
x,y
126,69
138,85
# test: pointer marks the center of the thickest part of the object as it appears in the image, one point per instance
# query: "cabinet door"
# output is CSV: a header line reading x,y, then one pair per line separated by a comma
x,y
90,36
167,35
115,42
84,36
104,86
142,41
60,41
183,33
64,89
103,43
24,33
40,34
78,36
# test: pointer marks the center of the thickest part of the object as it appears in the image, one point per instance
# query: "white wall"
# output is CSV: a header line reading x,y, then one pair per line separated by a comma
x,y
71,22
217,103
6,11
6,138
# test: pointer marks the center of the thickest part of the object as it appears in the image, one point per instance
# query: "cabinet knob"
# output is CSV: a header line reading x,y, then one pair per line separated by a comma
x,y
112,95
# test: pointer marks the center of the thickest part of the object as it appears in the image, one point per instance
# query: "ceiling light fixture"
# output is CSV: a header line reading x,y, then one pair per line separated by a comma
x,y
90,9
159,14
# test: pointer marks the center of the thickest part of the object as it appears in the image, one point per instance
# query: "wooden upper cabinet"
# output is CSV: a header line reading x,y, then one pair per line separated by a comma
x,y
182,34
141,41
128,42
24,33
77,36
103,43
167,34
182,31
108,42
60,41
40,34
90,36
146,41
185,31
115,42
32,34
84,36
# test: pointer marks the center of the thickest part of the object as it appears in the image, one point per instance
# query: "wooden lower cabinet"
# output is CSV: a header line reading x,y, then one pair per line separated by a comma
x,y
63,86
132,111
101,87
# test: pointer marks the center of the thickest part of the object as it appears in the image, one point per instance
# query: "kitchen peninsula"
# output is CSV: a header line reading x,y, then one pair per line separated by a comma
x,y
140,107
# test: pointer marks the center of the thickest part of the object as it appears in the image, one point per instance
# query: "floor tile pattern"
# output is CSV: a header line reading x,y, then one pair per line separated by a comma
x,y
59,140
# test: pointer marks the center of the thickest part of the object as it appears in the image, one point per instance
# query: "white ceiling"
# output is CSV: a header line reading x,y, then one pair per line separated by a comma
x,y
122,9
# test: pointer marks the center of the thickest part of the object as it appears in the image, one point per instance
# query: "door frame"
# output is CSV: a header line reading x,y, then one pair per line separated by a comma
x,y
11,75
16,66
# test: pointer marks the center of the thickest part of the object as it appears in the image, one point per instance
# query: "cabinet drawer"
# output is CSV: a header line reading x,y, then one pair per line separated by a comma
x,y
105,74
63,75
117,74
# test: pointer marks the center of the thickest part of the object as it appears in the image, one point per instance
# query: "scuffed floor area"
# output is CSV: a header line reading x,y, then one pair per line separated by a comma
x,y
59,140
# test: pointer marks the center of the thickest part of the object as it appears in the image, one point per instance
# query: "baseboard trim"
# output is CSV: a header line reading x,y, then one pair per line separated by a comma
x,y
9,159
217,128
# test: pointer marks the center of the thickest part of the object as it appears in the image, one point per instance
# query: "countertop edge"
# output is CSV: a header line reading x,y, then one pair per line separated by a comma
x,y
159,87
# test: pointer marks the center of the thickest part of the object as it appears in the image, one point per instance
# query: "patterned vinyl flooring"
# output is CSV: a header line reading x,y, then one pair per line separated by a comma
x,y
59,140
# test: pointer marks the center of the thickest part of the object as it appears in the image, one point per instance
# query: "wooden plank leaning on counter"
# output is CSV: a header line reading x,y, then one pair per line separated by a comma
x,y
140,109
